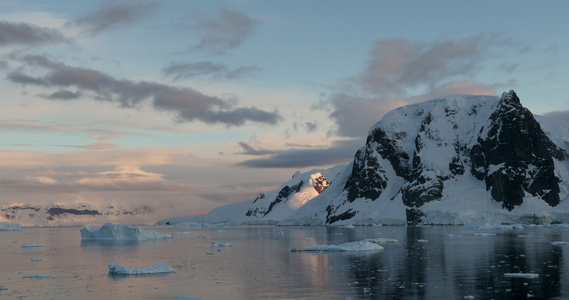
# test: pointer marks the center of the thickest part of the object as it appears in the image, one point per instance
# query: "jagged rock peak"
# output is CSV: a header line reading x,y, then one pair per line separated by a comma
x,y
510,97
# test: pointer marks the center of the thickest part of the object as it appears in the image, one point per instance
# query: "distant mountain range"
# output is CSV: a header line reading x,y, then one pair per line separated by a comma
x,y
54,214
451,160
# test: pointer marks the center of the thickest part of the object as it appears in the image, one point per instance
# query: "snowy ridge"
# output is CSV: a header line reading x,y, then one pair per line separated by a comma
x,y
452,160
269,208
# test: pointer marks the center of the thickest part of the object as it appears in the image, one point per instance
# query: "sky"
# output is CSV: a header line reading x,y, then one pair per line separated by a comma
x,y
184,106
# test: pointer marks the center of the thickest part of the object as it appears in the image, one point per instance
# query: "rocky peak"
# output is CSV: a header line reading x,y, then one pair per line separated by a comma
x,y
420,149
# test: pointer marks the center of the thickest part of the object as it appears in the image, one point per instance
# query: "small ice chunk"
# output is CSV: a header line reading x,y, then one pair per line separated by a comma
x,y
469,297
3,288
221,231
31,245
382,241
183,298
161,267
39,276
216,244
37,259
182,233
559,243
351,246
521,275
308,239
423,241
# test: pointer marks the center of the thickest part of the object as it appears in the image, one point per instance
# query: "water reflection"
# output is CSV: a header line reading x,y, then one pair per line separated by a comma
x,y
428,264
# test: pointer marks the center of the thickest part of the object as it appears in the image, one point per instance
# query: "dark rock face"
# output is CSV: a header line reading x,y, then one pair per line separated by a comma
x,y
284,195
368,178
516,157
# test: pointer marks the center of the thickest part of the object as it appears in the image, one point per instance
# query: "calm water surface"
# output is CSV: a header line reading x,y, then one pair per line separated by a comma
x,y
427,263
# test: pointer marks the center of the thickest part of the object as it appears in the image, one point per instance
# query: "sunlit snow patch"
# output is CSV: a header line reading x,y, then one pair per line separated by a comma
x,y
351,246
158,268
115,231
521,275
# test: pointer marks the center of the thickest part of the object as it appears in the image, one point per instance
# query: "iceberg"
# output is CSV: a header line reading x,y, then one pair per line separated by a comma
x,y
7,226
158,268
38,276
31,245
364,245
216,244
115,231
521,275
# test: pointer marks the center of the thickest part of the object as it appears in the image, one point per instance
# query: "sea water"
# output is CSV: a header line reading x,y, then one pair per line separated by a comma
x,y
257,263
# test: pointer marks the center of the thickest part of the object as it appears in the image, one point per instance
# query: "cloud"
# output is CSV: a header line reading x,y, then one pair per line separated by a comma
x,y
24,34
227,31
186,104
56,126
120,179
113,14
311,127
62,95
114,157
562,115
400,72
341,152
102,143
249,150
206,69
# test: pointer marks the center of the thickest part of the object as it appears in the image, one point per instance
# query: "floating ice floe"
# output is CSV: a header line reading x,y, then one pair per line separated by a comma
x,y
31,245
351,246
496,224
423,241
7,226
381,241
37,259
559,243
3,288
216,244
182,233
158,268
521,275
183,298
39,276
115,231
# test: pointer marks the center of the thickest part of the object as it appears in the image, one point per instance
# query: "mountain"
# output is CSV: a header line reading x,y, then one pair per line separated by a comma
x,y
269,208
72,214
451,160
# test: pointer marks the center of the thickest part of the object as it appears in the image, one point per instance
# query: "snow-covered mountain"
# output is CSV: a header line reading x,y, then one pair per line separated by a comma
x,y
452,160
70,214
269,208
